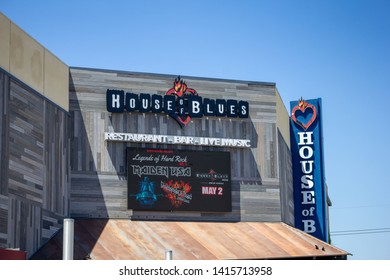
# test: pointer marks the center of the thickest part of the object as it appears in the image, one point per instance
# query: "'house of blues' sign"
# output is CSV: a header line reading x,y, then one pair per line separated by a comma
x,y
310,195
180,102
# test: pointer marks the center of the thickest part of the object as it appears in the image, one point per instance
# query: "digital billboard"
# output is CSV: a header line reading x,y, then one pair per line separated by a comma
x,y
175,180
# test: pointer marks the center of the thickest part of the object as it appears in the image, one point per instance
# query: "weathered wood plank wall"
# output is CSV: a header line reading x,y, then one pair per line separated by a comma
x,y
286,182
98,168
34,166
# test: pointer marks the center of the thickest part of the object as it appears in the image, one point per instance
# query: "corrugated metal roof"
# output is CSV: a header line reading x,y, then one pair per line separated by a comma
x,y
144,240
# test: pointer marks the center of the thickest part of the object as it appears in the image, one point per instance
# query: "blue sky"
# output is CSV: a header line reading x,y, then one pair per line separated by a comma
x,y
338,50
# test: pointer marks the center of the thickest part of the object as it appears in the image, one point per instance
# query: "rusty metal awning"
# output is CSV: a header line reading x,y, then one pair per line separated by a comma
x,y
144,240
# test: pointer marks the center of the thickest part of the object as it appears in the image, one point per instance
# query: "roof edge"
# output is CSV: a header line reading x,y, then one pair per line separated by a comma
x,y
269,84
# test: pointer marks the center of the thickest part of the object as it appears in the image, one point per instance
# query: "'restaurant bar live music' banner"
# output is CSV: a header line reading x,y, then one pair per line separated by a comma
x,y
173,180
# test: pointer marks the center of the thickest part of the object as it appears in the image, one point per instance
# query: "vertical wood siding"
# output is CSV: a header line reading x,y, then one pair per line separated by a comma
x,y
286,182
35,181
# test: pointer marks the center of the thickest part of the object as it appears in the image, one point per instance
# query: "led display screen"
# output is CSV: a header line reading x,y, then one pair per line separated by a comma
x,y
174,180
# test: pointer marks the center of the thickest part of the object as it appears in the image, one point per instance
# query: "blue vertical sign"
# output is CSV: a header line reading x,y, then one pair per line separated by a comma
x,y
310,197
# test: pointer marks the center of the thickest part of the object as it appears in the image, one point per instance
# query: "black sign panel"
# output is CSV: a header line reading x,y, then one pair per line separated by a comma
x,y
170,180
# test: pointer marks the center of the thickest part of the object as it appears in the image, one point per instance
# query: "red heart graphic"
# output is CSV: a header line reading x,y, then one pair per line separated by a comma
x,y
302,106
183,122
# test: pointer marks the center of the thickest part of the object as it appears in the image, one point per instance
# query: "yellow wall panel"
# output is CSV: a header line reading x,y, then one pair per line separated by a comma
x,y
26,58
283,119
56,80
5,25
31,63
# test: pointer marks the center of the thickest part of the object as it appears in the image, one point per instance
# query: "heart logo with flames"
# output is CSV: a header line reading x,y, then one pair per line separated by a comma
x,y
303,110
181,91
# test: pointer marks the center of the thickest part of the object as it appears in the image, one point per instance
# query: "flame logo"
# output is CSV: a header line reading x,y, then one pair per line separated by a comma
x,y
301,109
302,103
181,90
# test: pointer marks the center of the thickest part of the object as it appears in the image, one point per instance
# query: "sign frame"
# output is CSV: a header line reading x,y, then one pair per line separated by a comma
x,y
310,193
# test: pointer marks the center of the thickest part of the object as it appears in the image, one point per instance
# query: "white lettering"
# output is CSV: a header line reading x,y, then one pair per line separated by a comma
x,y
305,212
195,107
309,226
232,109
169,105
306,152
305,138
308,212
311,211
308,197
208,110
145,103
221,108
307,166
307,182
209,190
157,104
183,140
132,103
115,101
243,110
170,139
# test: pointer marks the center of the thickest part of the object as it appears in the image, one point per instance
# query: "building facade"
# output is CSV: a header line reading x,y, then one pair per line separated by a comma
x,y
106,145
260,174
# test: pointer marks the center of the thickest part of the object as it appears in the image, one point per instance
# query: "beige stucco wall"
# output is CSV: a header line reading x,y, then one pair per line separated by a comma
x,y
26,58
283,119
56,80
5,26
30,62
